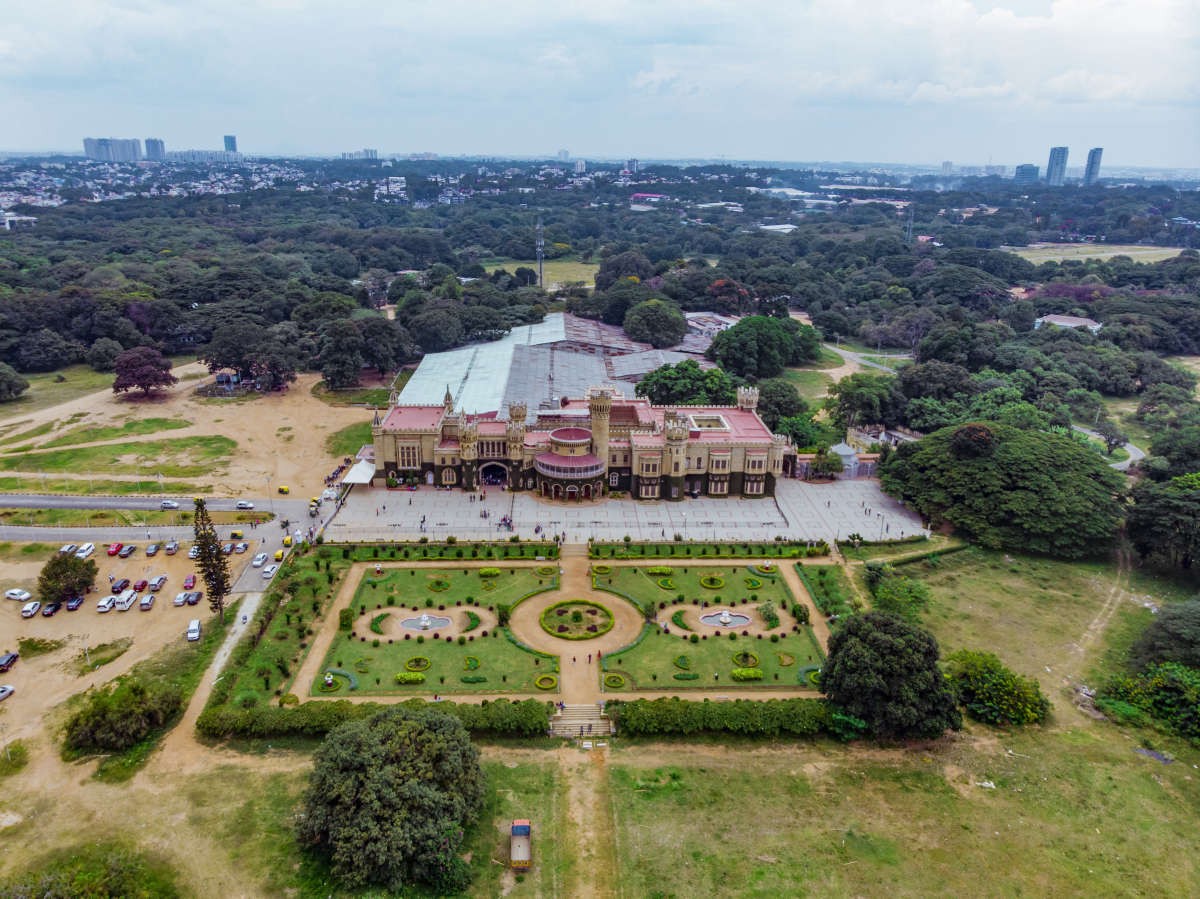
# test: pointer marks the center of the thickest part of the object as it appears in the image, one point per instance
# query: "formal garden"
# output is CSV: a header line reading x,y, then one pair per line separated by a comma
x,y
632,549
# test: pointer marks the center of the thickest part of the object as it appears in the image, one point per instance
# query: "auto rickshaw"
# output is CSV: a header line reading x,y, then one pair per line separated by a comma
x,y
284,489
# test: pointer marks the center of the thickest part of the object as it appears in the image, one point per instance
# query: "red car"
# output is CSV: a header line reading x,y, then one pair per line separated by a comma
x,y
114,548
189,582
139,586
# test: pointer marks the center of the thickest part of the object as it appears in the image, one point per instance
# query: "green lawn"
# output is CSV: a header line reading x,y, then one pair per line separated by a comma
x,y
349,440
99,486
11,435
410,586
811,384
556,271
1059,252
178,457
830,589
131,428
362,396
46,390
22,552
738,583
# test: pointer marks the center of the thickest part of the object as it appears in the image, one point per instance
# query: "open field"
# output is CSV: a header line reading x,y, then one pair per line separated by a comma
x,y
131,428
812,384
887,551
45,390
556,272
349,440
373,392
99,518
175,457
147,486
1057,252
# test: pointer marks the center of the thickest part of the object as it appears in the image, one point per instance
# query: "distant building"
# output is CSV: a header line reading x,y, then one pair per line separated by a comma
x,y
580,166
632,166
14,222
564,155
1068,321
112,149
999,170
361,154
1026,174
1092,173
947,169
231,143
1056,168
156,150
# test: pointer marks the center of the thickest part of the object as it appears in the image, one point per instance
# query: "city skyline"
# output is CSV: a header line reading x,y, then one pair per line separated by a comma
x,y
973,83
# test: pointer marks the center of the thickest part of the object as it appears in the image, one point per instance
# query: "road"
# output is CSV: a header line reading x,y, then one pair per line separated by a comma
x,y
866,360
1136,454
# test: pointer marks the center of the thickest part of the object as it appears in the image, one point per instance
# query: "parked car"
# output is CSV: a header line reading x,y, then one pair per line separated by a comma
x,y
147,602
180,598
120,585
68,550
193,631
127,550
189,582
269,571
194,552
259,560
30,609
6,690
8,660
140,585
227,548
85,551
18,595
168,504
156,583
51,609
126,600
244,504
171,548
74,603
114,548
106,604
241,547
152,549
194,597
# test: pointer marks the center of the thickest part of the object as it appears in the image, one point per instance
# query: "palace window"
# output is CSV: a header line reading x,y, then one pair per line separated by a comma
x,y
410,457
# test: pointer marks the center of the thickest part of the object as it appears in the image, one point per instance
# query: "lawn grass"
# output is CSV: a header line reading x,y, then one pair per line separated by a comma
x,y
45,390
135,427
811,384
98,518
681,550
31,647
98,487
362,396
830,590
896,548
23,552
1059,252
37,431
98,656
889,362
178,457
1073,812
13,757
643,589
349,440
555,271
410,586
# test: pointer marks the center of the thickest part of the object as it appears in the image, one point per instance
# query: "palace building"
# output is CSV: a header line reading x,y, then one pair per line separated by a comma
x,y
585,447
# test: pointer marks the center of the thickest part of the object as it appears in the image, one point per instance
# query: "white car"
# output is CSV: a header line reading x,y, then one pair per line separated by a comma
x,y
68,550
244,504
180,598
259,560
269,571
241,547
19,595
85,551
30,609
194,552
106,604
147,602
168,504
6,690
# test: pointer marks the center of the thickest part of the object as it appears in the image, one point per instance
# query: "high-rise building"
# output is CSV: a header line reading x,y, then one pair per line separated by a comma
x,y
564,155
1000,170
156,150
631,166
1092,173
580,166
1026,174
230,143
112,149
1056,168
947,169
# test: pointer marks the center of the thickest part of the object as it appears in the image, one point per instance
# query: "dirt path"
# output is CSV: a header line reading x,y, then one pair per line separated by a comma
x,y
590,826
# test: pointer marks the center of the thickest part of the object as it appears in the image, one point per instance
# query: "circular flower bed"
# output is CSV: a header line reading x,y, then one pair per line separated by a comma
x,y
546,681
811,674
712,582
330,686
765,569
601,569
683,662
753,583
614,681
470,663
665,583
545,571
361,666
418,663
745,659
785,660
438,585
576,619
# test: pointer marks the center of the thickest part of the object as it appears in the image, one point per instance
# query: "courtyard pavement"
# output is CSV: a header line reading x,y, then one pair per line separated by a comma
x,y
799,511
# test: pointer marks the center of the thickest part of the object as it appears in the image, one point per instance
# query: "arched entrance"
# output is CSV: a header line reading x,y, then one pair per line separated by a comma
x,y
493,474
429,478
557,491
587,491
572,492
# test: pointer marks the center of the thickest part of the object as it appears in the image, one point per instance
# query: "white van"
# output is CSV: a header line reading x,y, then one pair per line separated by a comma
x,y
126,600
193,631
85,551
106,604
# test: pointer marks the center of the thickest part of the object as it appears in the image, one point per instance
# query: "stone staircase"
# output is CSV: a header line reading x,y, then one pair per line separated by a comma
x,y
567,722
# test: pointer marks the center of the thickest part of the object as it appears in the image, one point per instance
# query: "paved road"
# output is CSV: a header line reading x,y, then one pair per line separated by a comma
x,y
1136,454
865,359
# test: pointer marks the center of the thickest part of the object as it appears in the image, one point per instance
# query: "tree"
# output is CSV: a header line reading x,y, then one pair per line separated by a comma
x,y
1164,520
213,565
778,399
1008,488
884,670
993,693
802,430
1173,636
656,322
103,354
1112,435
12,385
385,344
341,354
65,576
143,367
388,799
685,383
863,398
233,345
761,347
631,264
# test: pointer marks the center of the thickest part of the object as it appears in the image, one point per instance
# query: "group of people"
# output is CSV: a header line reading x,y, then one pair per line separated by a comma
x,y
332,479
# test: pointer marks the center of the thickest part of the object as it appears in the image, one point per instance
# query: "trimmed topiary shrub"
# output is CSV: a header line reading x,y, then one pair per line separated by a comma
x,y
410,677
438,585
686,675
712,582
418,663
473,678
683,662
747,674
614,681
546,681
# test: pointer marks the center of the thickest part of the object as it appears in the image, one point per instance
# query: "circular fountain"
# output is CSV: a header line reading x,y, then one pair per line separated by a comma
x,y
425,622
725,618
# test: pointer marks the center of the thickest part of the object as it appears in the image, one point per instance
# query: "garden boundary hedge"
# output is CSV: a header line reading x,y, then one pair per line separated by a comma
x,y
747,717
921,557
498,717
782,549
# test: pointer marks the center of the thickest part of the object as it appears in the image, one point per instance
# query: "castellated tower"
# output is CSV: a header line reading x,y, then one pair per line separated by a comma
x,y
514,432
600,407
468,437
675,429
747,398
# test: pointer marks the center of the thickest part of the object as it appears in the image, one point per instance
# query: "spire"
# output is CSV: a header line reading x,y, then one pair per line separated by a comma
x,y
448,399
375,422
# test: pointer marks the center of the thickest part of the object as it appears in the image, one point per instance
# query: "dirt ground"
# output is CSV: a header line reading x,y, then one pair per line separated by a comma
x,y
280,436
46,680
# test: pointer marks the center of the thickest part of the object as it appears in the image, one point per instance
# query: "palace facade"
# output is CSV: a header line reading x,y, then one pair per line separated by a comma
x,y
585,448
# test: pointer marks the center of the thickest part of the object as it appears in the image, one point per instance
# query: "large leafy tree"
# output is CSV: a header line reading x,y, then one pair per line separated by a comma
x,y
778,399
143,368
342,354
759,346
864,398
1173,636
213,564
12,385
1010,488
685,383
1164,521
389,797
64,576
884,670
656,322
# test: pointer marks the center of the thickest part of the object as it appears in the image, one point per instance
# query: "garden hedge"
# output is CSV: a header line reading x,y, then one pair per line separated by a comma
x,y
748,717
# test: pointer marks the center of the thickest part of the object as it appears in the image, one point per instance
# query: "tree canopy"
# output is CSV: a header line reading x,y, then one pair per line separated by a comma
x,y
65,576
143,368
1173,636
656,322
760,346
1164,520
686,384
1010,488
12,385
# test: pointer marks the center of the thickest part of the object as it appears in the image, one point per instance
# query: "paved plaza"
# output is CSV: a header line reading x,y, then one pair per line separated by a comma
x,y
799,511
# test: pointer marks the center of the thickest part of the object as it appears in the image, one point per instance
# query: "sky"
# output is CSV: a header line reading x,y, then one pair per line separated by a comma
x,y
969,81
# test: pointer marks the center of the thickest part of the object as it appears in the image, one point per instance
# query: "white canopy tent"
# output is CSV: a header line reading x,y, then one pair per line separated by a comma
x,y
361,473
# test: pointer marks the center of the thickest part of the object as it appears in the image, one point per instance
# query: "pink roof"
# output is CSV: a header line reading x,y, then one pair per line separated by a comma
x,y
492,428
570,435
449,446
584,461
413,418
